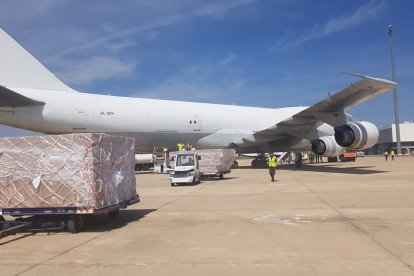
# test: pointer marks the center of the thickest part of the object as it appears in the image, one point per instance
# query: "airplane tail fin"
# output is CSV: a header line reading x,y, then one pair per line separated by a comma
x,y
19,69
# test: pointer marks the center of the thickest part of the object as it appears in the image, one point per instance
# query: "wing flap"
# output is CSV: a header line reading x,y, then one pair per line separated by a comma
x,y
9,98
357,93
330,110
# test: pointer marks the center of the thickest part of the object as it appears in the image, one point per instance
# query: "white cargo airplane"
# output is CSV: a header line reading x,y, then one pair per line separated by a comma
x,y
32,98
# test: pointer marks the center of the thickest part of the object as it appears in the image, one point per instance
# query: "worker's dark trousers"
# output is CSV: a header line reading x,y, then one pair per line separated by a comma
x,y
272,172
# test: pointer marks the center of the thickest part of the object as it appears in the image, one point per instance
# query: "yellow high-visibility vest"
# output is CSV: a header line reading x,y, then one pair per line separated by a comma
x,y
180,146
272,161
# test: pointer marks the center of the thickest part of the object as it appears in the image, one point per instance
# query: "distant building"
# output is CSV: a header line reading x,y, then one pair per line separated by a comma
x,y
388,139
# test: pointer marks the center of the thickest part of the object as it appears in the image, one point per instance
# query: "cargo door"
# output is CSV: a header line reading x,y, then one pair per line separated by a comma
x,y
80,120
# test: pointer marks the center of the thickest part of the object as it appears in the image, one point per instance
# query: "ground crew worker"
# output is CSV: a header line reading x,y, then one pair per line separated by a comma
x,y
180,146
189,147
386,155
272,164
392,154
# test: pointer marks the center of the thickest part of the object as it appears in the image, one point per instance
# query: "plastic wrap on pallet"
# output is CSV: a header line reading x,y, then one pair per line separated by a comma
x,y
72,170
214,161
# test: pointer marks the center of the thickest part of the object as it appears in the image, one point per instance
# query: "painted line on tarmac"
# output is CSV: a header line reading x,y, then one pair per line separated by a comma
x,y
355,225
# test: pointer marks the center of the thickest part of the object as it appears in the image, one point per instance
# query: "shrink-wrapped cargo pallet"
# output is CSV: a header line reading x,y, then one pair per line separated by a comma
x,y
214,161
91,170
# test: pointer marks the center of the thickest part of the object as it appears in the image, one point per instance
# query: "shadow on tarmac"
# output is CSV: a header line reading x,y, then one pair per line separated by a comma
x,y
16,238
214,179
144,172
324,167
331,168
96,223
101,223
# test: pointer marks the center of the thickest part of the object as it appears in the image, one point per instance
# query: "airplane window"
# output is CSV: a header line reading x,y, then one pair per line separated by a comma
x,y
195,122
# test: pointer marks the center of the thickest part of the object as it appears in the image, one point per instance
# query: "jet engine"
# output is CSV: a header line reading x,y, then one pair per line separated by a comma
x,y
326,146
357,135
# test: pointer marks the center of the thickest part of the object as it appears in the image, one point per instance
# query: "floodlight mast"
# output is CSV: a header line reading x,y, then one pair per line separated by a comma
x,y
394,79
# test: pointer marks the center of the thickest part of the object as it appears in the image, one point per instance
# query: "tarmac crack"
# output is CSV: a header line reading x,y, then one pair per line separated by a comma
x,y
61,253
96,237
355,225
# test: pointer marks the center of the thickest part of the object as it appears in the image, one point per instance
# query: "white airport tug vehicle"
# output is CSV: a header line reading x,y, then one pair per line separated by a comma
x,y
186,170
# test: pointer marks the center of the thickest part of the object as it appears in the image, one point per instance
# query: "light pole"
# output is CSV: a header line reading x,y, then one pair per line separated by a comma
x,y
394,79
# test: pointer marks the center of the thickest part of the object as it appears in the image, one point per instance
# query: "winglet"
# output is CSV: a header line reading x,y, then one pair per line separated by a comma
x,y
368,77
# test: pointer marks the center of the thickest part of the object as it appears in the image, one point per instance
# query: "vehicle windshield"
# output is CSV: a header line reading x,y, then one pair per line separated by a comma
x,y
185,160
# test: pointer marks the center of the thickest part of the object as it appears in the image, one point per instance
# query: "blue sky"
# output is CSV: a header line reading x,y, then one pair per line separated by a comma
x,y
248,52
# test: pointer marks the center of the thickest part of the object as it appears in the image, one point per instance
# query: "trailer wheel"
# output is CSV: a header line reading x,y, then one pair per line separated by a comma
x,y
172,184
221,176
113,214
1,224
75,223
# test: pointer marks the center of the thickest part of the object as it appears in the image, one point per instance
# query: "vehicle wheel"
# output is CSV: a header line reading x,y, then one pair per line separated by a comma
x,y
1,225
113,214
254,163
173,184
235,165
221,176
75,223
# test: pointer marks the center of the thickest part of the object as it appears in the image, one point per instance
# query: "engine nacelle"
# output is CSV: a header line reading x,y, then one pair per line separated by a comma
x,y
326,146
357,135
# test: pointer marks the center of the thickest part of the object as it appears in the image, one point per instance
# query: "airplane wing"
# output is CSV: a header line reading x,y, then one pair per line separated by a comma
x,y
9,98
331,110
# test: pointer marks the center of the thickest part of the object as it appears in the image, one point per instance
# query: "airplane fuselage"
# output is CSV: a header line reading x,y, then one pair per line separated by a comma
x,y
151,122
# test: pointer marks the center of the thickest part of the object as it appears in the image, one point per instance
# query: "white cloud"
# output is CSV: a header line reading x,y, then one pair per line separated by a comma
x,y
209,10
200,83
337,24
229,59
84,72
27,11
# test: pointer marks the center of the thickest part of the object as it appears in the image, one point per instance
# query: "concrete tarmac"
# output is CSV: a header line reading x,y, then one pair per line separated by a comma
x,y
324,219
